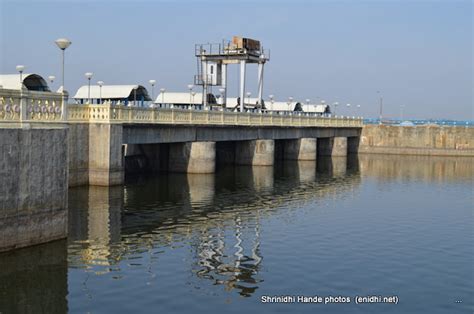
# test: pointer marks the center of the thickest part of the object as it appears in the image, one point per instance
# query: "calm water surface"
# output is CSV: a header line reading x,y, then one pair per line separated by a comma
x,y
372,225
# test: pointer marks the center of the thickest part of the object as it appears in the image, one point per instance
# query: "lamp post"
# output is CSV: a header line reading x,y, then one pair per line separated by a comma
x,y
20,68
248,98
335,104
51,79
88,76
271,102
152,83
290,100
380,107
348,108
162,91
63,44
190,87
358,110
193,94
100,83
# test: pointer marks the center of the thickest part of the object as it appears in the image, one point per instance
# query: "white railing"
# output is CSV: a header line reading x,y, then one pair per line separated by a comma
x,y
30,106
120,114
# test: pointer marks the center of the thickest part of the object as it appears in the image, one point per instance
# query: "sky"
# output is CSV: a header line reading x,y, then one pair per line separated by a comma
x,y
417,54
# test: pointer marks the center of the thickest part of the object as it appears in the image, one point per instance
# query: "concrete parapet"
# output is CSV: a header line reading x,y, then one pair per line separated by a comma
x,y
300,149
33,186
255,153
332,146
192,157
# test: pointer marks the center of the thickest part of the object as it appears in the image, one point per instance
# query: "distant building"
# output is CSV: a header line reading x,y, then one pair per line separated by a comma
x,y
183,100
31,82
127,95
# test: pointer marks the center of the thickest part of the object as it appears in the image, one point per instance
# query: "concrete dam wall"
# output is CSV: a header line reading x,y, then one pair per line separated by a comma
x,y
33,186
428,140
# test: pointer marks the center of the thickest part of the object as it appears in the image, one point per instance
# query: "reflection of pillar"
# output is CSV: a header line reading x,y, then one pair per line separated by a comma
x,y
242,85
255,152
260,82
300,149
307,170
201,188
193,157
262,178
104,221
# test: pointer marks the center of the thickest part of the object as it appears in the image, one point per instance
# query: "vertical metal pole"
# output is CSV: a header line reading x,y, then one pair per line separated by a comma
x,y
242,84
260,83
100,88
89,92
224,85
381,109
63,100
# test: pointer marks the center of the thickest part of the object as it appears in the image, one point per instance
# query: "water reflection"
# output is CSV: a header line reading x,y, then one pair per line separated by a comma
x,y
422,168
218,214
34,280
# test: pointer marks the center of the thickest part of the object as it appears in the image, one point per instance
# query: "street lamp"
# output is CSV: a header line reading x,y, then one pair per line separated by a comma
x,y
20,68
358,110
381,106
51,78
88,76
193,94
290,100
100,83
162,91
348,108
335,107
190,87
271,101
248,98
63,44
152,83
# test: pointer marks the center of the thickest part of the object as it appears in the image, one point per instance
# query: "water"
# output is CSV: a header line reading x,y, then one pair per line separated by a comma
x,y
373,225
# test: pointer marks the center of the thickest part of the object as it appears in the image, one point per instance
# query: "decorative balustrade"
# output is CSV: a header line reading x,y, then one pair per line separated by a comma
x,y
30,106
121,114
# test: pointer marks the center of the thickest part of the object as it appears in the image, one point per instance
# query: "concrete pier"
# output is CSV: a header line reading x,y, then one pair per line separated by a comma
x,y
105,154
33,186
255,153
192,157
300,149
332,146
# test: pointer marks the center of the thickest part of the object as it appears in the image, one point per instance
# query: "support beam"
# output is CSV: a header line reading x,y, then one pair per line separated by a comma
x,y
260,82
224,84
242,84
300,149
332,146
255,152
192,157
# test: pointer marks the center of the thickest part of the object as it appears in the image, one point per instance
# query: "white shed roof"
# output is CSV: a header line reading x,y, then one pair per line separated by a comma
x,y
280,105
178,98
112,92
321,108
31,81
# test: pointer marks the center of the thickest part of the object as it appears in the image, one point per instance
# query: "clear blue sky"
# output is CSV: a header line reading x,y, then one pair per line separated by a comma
x,y
417,53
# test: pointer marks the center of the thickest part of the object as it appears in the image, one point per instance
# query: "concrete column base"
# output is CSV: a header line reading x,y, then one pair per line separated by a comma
x,y
105,154
332,146
192,157
300,149
255,152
